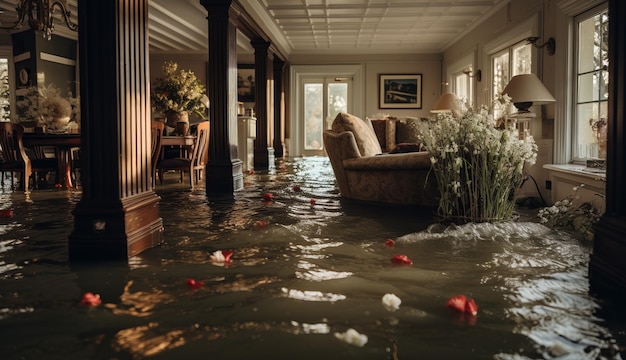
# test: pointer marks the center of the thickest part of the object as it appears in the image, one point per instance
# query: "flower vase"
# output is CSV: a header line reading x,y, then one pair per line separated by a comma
x,y
58,124
173,117
182,128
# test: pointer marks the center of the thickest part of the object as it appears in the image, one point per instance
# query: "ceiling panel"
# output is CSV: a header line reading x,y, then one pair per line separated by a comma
x,y
315,26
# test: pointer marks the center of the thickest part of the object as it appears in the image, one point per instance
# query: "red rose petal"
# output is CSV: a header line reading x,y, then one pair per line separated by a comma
x,y
471,307
194,284
227,254
90,299
260,224
312,201
457,303
268,197
390,243
401,259
6,213
297,188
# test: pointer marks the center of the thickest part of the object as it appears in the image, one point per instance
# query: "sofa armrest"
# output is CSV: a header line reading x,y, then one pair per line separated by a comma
x,y
403,161
341,145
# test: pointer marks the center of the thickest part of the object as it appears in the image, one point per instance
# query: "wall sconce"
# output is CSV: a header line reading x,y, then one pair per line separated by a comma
x,y
550,44
478,74
39,14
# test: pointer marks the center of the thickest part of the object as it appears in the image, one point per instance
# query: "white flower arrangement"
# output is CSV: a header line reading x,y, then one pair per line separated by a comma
x,y
44,105
478,166
178,90
572,216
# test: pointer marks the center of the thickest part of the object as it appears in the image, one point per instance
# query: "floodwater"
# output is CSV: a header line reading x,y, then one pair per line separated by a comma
x,y
305,267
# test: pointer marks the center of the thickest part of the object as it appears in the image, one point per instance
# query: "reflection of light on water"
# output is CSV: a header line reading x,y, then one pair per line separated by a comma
x,y
140,303
305,328
6,312
140,342
313,274
242,284
322,275
312,295
6,246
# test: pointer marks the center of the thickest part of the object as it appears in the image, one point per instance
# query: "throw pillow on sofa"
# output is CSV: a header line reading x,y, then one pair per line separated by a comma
x,y
363,132
407,130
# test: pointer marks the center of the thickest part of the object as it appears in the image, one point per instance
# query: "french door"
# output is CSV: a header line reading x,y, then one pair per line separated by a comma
x,y
322,99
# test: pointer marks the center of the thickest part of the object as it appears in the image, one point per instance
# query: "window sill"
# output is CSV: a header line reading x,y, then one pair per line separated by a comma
x,y
564,178
580,170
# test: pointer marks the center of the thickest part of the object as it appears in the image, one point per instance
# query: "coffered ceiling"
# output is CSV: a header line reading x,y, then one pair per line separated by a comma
x,y
315,26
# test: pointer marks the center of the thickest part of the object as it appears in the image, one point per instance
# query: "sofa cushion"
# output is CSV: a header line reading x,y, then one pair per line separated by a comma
x,y
390,162
406,148
381,128
407,130
363,132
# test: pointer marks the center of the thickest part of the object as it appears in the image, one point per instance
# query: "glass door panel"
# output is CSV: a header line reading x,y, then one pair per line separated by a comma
x,y
323,99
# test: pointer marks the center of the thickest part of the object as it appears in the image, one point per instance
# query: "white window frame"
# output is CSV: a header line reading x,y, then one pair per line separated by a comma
x,y
524,30
574,123
456,71
563,76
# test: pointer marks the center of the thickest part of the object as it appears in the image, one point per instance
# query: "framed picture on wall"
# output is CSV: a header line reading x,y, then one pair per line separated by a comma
x,y
245,82
397,91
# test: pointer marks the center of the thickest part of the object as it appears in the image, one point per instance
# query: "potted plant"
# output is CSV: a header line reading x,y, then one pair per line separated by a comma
x,y
177,93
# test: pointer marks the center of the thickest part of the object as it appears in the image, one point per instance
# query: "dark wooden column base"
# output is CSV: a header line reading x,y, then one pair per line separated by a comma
x,y
264,158
607,273
115,230
224,177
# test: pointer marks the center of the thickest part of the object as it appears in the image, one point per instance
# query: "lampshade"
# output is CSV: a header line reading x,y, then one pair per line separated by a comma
x,y
526,90
448,102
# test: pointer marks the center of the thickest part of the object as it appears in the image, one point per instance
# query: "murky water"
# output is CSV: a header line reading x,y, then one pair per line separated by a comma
x,y
301,272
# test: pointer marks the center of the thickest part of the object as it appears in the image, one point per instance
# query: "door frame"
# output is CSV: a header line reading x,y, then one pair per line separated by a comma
x,y
298,74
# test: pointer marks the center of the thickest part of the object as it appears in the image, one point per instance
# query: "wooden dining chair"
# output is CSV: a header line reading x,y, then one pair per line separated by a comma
x,y
157,133
194,161
15,159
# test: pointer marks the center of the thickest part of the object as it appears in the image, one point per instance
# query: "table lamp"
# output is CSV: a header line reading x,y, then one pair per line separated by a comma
x,y
525,91
447,103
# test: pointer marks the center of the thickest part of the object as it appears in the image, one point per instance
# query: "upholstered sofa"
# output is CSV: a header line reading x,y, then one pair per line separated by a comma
x,y
364,172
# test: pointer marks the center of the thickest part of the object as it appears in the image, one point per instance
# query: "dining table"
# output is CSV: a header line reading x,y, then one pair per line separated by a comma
x,y
64,143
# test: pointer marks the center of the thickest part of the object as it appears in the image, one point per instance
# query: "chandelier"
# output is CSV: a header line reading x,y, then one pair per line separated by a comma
x,y
40,15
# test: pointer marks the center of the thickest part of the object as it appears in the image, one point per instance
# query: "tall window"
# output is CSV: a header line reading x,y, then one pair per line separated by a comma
x,y
463,85
592,80
514,60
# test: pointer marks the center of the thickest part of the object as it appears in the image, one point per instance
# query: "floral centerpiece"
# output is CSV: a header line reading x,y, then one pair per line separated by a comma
x,y
178,92
45,106
478,166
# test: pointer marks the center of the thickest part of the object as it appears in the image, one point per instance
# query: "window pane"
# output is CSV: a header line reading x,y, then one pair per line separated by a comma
x,y
588,87
522,60
500,72
313,116
463,86
584,133
586,46
337,95
604,85
590,130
